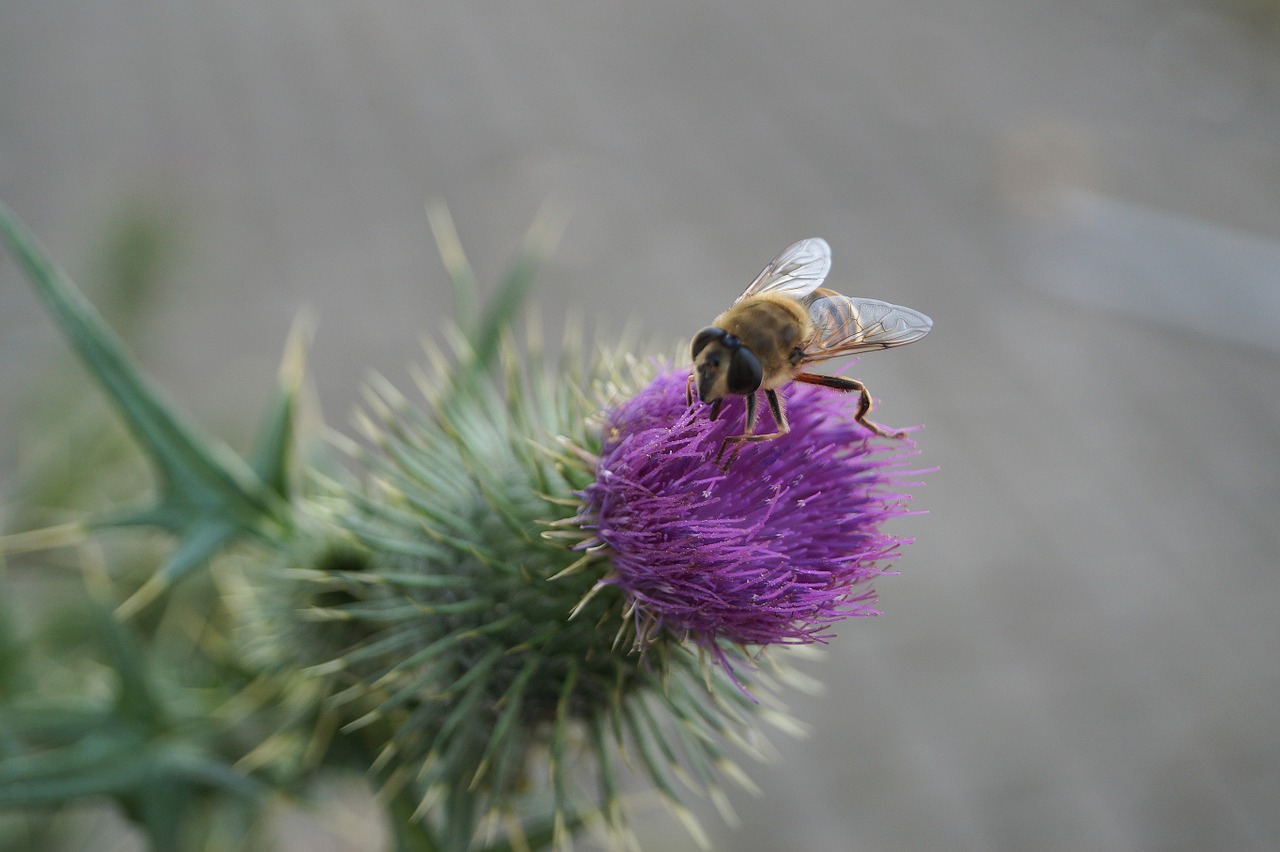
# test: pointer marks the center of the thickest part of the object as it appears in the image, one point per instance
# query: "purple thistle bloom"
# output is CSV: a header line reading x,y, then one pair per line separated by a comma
x,y
772,551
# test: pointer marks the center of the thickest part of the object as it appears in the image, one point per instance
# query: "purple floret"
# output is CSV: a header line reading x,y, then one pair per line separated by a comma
x,y
772,551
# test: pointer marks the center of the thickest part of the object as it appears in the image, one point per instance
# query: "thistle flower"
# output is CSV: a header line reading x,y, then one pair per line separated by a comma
x,y
773,550
533,572
434,599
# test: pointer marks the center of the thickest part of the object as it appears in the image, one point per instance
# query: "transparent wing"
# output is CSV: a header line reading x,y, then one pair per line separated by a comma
x,y
797,272
847,325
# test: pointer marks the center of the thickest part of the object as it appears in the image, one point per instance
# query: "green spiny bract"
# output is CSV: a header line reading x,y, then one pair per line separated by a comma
x,y
433,601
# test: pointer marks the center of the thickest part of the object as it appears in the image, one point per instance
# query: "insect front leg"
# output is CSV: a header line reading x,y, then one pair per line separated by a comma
x,y
781,425
750,426
840,383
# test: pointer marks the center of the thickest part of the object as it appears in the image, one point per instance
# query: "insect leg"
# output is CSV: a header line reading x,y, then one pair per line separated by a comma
x,y
750,425
779,415
781,426
840,383
688,391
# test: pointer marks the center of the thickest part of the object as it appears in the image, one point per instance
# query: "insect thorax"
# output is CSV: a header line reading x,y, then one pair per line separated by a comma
x,y
772,327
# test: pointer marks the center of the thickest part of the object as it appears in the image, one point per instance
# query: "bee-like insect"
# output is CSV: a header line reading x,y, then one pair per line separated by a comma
x,y
784,321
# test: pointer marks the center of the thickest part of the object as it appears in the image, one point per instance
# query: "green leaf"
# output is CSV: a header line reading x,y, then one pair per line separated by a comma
x,y
193,766
413,833
137,699
159,809
13,674
93,767
207,494
273,454
132,750
484,334
456,266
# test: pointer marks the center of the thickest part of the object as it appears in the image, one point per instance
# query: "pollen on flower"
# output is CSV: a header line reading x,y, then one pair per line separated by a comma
x,y
773,550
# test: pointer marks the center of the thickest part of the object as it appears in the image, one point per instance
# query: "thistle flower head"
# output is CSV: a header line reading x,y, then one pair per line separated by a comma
x,y
455,616
458,628
773,550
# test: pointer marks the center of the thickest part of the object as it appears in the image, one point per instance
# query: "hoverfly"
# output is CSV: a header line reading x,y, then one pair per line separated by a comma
x,y
785,321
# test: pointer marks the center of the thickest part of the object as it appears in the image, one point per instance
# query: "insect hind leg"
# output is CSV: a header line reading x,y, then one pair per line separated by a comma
x,y
840,383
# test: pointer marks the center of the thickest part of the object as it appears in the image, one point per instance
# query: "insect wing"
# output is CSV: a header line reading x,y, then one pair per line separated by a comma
x,y
797,272
847,325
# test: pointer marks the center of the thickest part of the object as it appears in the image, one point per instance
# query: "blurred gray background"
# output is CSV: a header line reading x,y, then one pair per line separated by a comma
x,y
1082,651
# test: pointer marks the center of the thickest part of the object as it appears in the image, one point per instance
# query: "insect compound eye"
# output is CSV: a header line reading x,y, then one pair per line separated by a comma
x,y
704,337
744,372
